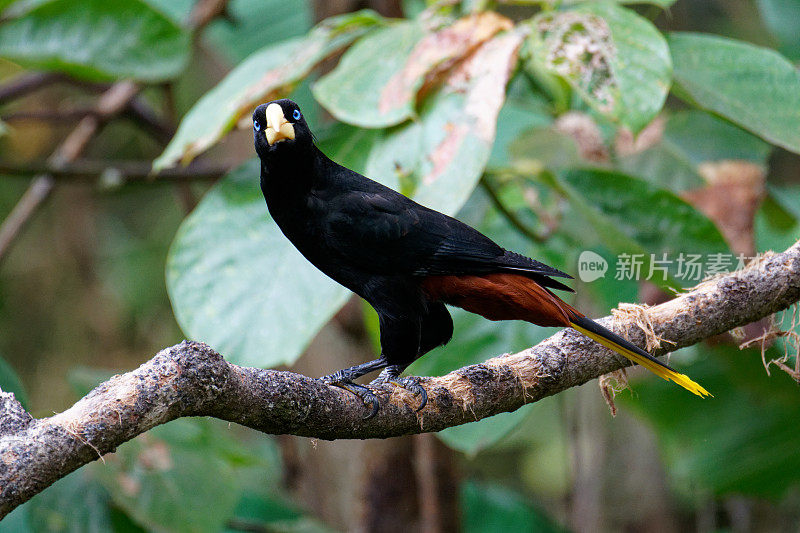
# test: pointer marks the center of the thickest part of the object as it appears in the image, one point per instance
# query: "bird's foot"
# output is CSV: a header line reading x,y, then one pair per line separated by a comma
x,y
338,379
409,383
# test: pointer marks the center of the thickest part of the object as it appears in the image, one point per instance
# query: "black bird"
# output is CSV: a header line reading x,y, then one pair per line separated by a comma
x,y
406,260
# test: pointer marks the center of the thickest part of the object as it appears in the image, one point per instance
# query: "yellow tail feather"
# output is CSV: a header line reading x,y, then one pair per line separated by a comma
x,y
661,371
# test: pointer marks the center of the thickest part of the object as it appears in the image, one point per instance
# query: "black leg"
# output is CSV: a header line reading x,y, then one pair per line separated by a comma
x,y
344,379
410,383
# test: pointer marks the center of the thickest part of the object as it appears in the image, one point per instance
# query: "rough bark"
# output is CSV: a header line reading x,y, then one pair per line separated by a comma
x,y
191,379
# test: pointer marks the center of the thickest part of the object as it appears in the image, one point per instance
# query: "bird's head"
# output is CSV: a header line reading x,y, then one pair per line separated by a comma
x,y
279,126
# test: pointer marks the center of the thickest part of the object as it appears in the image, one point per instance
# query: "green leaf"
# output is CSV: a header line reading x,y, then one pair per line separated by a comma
x,y
777,222
742,442
348,145
272,513
788,197
689,139
75,503
545,148
488,507
237,283
523,109
177,10
248,22
97,39
631,216
263,76
377,90
702,137
476,436
660,3
352,92
754,87
173,480
10,382
616,60
782,18
664,165
439,158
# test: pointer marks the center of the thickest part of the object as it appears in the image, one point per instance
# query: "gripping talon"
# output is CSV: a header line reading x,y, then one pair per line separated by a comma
x,y
409,383
412,385
361,391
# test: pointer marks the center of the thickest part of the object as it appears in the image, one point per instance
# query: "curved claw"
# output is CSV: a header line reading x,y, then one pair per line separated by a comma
x,y
412,385
368,399
409,383
361,391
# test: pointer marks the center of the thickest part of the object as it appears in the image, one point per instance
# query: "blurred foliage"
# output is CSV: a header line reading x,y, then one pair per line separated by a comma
x,y
463,107
739,444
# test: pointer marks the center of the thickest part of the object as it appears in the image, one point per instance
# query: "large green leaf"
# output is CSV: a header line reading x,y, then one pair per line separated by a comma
x,y
174,479
523,109
249,23
631,216
661,3
754,87
782,18
352,91
498,509
702,137
473,437
10,382
263,76
377,90
689,139
616,60
439,158
742,442
777,222
238,284
97,39
75,503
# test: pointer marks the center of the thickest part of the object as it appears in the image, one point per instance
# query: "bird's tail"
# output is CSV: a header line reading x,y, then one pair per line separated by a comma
x,y
612,341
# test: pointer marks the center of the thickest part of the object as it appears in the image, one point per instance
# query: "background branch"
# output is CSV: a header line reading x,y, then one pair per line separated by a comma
x,y
25,84
123,171
109,104
191,379
113,101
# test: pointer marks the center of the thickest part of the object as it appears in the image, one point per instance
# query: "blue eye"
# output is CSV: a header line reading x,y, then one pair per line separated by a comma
x,y
296,114
256,125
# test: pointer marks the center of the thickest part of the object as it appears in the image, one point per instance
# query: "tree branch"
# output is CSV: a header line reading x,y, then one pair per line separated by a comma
x,y
25,84
191,379
124,171
109,104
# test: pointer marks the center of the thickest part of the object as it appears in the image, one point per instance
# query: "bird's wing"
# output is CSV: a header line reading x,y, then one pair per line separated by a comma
x,y
386,232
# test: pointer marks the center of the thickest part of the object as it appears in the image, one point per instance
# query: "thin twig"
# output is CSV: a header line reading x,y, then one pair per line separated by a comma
x,y
35,194
25,84
119,172
49,115
109,104
146,117
509,215
137,111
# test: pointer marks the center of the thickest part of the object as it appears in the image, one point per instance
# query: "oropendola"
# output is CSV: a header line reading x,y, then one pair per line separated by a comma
x,y
406,260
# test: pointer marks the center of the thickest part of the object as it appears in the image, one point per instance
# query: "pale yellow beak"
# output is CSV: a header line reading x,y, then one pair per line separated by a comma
x,y
278,128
